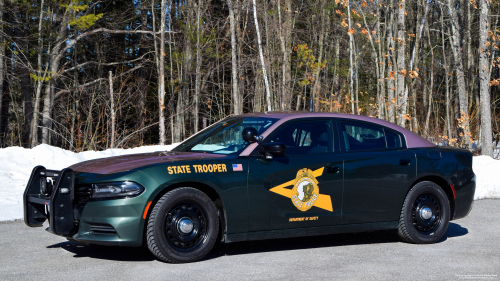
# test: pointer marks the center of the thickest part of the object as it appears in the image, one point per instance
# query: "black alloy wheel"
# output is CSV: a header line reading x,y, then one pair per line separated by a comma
x,y
425,215
182,226
186,226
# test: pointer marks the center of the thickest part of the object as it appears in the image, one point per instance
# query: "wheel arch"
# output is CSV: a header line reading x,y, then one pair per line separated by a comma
x,y
203,187
443,183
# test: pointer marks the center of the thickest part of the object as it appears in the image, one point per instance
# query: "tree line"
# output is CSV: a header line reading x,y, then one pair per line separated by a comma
x,y
83,74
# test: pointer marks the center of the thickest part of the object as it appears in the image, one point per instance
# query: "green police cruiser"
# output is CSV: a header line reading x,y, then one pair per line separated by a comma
x,y
259,176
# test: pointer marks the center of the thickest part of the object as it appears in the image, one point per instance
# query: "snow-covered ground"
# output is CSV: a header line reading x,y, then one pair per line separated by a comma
x,y
16,164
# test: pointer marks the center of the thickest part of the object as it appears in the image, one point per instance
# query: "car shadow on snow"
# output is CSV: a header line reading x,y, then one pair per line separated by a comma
x,y
242,248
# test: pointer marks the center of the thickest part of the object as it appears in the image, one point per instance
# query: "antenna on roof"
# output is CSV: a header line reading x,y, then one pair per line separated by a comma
x,y
311,103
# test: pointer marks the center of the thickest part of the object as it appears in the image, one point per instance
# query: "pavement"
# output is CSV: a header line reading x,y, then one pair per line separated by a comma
x,y
470,250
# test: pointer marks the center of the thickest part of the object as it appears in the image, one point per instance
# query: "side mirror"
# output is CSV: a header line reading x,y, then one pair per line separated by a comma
x,y
273,149
250,134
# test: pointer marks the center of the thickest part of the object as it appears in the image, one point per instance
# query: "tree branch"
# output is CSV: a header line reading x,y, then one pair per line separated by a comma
x,y
95,62
104,30
58,94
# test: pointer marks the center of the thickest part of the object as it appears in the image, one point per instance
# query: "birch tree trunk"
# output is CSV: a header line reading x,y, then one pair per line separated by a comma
x,y
39,81
143,85
447,80
431,87
264,73
287,66
322,35
390,70
484,74
2,54
237,107
457,54
55,59
198,69
336,76
401,93
414,61
161,78
351,50
382,64
183,111
284,50
172,98
112,107
375,56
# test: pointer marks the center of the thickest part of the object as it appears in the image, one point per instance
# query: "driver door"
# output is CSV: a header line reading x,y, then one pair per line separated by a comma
x,y
303,188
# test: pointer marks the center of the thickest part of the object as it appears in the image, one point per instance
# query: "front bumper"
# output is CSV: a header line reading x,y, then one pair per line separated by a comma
x,y
114,222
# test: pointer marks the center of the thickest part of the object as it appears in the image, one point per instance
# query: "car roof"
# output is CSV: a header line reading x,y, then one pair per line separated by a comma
x,y
412,140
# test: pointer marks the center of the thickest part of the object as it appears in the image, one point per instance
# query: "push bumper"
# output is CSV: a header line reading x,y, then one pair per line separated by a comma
x,y
106,222
43,199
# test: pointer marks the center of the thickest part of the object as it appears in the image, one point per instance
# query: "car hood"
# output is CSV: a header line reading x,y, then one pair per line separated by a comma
x,y
124,163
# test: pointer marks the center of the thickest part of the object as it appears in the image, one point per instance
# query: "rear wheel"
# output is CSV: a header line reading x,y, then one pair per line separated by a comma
x,y
183,226
425,215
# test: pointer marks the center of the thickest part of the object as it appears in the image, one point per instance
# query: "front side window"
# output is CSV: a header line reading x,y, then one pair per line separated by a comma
x,y
362,137
225,137
305,137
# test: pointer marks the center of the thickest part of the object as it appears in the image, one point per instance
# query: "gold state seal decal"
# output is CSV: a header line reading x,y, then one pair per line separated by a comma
x,y
305,191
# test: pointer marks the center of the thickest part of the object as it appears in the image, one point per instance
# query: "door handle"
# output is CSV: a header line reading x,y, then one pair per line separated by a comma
x,y
333,170
404,162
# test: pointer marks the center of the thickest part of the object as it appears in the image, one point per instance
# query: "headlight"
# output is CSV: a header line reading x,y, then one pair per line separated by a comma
x,y
116,189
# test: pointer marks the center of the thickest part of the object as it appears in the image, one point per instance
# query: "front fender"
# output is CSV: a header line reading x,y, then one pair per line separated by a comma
x,y
231,188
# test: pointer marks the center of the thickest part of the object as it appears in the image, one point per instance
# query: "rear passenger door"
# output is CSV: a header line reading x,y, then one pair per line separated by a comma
x,y
378,170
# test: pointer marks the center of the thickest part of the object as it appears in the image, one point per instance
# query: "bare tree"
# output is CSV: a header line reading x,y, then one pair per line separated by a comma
x,y
486,133
112,109
237,105
39,80
457,55
198,68
390,69
401,68
161,78
264,73
351,54
2,54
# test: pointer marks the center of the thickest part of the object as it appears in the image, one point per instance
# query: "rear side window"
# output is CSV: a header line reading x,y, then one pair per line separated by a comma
x,y
362,137
305,137
393,139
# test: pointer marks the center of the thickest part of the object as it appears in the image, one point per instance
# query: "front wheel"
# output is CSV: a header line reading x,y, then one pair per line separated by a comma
x,y
425,215
183,226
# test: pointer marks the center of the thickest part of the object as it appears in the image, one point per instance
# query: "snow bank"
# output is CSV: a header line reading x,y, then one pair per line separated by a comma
x,y
16,164
487,172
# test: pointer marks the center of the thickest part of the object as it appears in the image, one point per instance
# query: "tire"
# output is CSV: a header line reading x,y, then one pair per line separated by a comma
x,y
425,215
182,226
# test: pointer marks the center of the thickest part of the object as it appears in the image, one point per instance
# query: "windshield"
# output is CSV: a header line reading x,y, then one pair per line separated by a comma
x,y
224,137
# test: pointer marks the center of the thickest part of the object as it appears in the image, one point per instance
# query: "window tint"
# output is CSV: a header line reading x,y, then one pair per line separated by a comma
x,y
362,137
225,137
393,139
305,137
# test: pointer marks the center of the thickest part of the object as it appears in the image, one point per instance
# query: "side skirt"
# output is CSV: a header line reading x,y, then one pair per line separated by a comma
x,y
310,231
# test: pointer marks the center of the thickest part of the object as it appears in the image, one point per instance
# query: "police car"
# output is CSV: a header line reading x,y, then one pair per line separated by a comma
x,y
259,176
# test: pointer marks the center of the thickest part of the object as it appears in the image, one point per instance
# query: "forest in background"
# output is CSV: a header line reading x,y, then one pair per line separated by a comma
x,y
90,75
